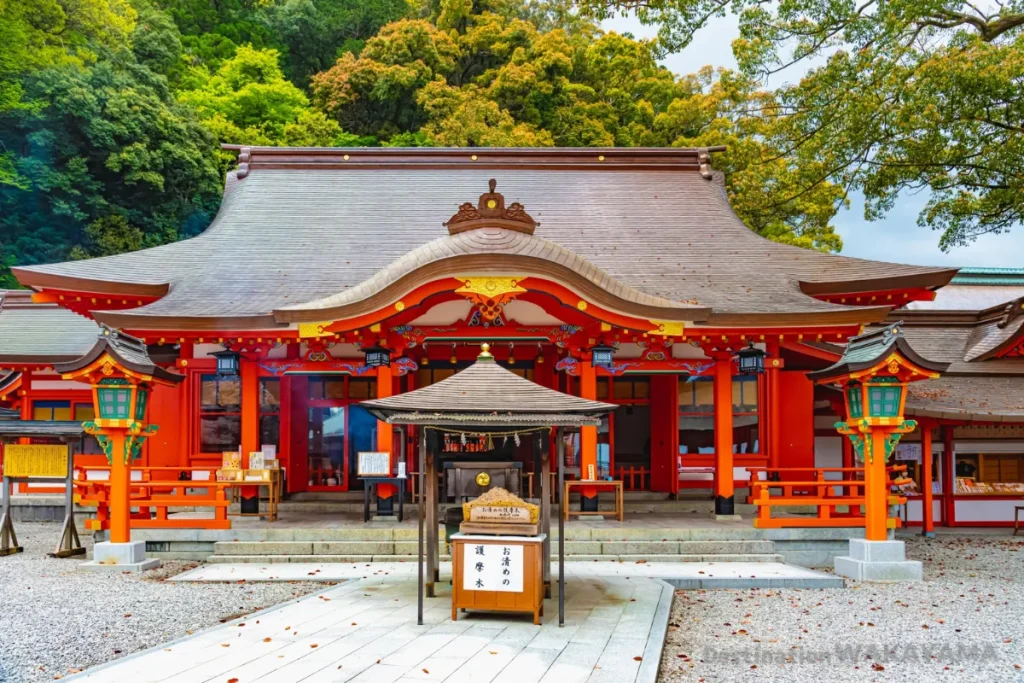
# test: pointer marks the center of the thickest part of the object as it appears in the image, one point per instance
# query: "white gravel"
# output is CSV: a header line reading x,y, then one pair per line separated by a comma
x,y
965,622
55,620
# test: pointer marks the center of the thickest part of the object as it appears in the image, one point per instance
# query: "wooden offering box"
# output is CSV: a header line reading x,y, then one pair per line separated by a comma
x,y
498,574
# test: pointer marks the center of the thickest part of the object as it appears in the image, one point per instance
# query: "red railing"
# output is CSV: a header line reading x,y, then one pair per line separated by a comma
x,y
769,489
634,478
154,496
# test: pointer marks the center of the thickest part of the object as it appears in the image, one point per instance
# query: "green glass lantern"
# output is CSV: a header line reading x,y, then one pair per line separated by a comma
x,y
115,399
885,397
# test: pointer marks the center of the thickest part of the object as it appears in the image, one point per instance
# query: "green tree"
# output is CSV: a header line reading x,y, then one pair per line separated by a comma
x,y
108,160
900,96
249,101
495,80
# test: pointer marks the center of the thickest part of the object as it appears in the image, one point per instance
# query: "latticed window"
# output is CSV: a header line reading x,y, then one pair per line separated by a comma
x,y
885,401
854,398
114,403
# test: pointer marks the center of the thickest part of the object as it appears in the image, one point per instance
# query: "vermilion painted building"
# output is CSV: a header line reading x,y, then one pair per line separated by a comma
x,y
319,253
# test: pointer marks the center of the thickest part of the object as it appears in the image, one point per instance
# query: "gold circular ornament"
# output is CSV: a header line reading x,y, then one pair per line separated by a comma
x,y
345,157
581,304
483,479
399,306
894,367
473,157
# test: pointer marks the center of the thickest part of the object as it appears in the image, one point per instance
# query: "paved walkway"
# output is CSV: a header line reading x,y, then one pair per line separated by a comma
x,y
364,630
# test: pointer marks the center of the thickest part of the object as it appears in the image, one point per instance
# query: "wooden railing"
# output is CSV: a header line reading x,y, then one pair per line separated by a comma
x,y
155,496
634,478
783,487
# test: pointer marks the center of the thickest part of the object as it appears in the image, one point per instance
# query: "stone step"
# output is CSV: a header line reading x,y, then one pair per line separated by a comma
x,y
362,559
365,548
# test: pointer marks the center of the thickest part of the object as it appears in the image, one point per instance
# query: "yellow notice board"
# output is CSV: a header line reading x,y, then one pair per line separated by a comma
x,y
35,461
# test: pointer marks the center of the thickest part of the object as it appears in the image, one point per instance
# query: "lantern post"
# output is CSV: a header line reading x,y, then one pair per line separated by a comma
x,y
121,374
873,373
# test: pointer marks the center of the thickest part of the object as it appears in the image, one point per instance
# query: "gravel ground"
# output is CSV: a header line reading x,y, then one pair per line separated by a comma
x,y
55,620
965,622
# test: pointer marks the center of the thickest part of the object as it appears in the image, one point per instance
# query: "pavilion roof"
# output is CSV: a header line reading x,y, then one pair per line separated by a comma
x,y
40,333
965,397
40,428
653,227
486,393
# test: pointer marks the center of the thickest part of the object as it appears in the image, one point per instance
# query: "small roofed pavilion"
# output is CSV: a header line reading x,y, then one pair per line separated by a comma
x,y
485,398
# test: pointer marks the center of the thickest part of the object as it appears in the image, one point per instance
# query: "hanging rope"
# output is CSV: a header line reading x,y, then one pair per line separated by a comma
x,y
514,433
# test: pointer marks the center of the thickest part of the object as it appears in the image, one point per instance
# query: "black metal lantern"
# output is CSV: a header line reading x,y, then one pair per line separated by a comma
x,y
377,357
602,355
751,360
227,363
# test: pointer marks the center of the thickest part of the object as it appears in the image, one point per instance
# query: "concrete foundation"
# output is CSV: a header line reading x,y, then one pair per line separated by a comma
x,y
121,557
878,561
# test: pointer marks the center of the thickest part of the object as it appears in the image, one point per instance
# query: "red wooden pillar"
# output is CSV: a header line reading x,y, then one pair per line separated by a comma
x,y
26,400
773,365
298,434
185,417
588,439
664,432
250,418
948,475
385,440
724,486
927,523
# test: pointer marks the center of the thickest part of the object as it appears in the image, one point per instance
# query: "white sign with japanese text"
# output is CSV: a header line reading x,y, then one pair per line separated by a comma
x,y
492,567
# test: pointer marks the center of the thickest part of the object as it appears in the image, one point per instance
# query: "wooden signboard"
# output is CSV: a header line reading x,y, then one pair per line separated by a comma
x,y
35,460
374,464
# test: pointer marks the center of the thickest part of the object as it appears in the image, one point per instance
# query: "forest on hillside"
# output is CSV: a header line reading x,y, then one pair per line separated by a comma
x,y
112,111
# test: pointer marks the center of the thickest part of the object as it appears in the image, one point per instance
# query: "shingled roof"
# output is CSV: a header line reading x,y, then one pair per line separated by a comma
x,y
32,333
486,393
304,228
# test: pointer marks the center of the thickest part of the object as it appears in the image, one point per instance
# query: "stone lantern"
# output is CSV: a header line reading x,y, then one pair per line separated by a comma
x,y
121,374
873,374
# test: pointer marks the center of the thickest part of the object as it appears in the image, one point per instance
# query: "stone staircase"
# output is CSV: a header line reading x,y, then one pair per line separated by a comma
x,y
400,545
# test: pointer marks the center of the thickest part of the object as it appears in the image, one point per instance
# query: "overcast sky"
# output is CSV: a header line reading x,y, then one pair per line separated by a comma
x,y
895,238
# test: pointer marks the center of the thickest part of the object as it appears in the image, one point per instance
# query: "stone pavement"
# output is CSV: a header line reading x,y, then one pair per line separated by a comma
x,y
364,630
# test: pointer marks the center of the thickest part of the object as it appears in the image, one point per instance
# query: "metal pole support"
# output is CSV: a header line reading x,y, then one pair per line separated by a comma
x,y
8,539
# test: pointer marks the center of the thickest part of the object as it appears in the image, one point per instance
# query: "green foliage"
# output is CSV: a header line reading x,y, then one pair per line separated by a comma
x,y
495,80
107,160
901,96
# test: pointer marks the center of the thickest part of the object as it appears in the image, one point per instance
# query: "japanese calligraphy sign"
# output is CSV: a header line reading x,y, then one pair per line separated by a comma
x,y
36,461
492,567
374,464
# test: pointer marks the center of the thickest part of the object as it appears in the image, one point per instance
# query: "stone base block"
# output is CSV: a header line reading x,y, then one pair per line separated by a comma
x,y
384,518
129,556
877,551
878,561
590,518
130,567
728,518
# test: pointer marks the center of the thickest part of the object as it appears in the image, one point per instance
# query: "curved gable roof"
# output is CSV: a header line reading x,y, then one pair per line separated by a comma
x,y
299,226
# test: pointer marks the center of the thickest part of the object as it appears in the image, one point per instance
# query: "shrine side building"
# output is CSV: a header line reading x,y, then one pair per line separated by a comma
x,y
317,255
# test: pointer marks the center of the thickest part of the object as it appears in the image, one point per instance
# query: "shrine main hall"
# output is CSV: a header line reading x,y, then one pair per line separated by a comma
x,y
619,275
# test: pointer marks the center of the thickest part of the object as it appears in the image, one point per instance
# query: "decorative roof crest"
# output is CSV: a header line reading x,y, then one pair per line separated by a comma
x,y
491,212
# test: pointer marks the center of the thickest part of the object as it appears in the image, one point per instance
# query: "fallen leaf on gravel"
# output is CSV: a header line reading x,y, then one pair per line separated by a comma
x,y
877,667
127,615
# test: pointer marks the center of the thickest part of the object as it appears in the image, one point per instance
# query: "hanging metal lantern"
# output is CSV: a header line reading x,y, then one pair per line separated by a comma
x,y
227,362
602,355
377,357
751,360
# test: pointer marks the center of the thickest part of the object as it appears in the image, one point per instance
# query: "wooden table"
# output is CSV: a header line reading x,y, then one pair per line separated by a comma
x,y
596,483
481,564
274,487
